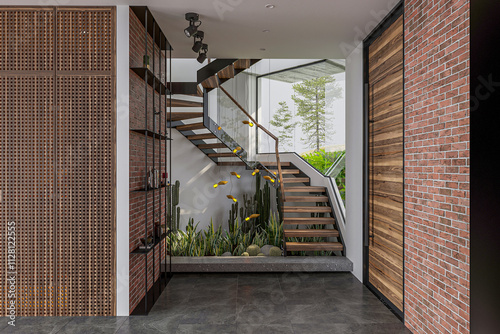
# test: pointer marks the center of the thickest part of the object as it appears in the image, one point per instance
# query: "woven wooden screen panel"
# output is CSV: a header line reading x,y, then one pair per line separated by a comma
x,y
26,39
85,40
27,175
58,163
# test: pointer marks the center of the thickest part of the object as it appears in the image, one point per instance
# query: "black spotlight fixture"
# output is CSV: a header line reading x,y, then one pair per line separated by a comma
x,y
203,55
194,23
198,41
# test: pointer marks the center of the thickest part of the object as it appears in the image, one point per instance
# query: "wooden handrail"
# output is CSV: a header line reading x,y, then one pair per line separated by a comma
x,y
280,174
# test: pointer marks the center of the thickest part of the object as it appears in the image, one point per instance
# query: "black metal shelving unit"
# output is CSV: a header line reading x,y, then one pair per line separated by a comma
x,y
155,107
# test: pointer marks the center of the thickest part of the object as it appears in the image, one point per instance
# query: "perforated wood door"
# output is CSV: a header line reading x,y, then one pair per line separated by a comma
x,y
85,162
57,100
27,158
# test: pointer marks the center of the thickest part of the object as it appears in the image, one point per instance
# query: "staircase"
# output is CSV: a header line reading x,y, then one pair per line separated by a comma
x,y
191,124
306,209
306,206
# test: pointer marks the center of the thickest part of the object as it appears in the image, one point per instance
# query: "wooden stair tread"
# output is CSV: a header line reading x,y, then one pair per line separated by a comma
x,y
226,73
211,146
314,246
310,199
286,171
221,155
296,180
242,64
176,103
211,82
202,136
231,163
311,233
274,163
305,189
179,116
308,220
307,209
187,127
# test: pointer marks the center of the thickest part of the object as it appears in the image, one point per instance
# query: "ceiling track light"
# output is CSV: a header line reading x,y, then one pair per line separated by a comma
x,y
198,41
194,23
203,55
198,36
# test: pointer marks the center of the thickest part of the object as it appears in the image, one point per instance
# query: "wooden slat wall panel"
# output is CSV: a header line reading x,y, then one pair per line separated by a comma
x,y
26,135
57,133
386,163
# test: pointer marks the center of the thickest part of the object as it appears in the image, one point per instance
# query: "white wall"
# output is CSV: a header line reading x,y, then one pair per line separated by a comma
x,y
197,175
122,159
354,160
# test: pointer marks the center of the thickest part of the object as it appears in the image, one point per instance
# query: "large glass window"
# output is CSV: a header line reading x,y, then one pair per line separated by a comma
x,y
303,103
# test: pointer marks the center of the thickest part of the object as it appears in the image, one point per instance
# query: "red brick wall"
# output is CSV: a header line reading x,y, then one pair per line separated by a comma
x,y
437,166
137,165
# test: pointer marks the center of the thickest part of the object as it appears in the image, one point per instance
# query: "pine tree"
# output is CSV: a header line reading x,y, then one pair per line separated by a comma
x,y
282,120
311,106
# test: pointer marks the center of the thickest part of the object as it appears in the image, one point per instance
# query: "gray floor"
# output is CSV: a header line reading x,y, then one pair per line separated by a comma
x,y
242,303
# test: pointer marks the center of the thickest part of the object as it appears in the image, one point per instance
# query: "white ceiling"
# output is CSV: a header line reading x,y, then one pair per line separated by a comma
x,y
233,28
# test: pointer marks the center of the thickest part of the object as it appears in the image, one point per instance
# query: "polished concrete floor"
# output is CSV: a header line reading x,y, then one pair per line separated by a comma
x,y
242,303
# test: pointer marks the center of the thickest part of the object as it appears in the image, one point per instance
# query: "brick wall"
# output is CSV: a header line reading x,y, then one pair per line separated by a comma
x,y
137,165
437,166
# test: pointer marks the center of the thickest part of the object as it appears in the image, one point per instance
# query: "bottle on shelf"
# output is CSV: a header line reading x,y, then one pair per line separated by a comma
x,y
145,61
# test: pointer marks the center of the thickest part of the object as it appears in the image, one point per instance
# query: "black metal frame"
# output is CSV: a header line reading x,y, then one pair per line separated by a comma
x,y
160,44
395,13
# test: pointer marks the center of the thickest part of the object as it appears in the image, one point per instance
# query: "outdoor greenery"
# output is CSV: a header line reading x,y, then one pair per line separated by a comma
x,y
310,98
322,160
283,120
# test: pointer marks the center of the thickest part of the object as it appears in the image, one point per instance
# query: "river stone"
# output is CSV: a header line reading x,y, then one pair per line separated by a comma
x,y
227,254
265,249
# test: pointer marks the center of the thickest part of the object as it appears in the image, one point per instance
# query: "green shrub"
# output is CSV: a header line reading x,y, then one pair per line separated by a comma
x,y
275,251
253,250
322,160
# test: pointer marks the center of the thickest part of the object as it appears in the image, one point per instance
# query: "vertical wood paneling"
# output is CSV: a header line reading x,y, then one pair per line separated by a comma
x,y
57,118
385,252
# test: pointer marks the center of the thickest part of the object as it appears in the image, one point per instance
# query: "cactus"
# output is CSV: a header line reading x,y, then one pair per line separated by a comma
x,y
173,212
253,250
245,254
262,200
275,251
261,254
233,216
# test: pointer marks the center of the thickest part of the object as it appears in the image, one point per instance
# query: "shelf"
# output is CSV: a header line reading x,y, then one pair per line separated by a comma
x,y
152,79
157,241
160,38
151,134
146,190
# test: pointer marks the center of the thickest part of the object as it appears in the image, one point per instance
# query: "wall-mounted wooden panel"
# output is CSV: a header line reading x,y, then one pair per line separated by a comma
x,y
57,129
26,181
26,39
385,166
